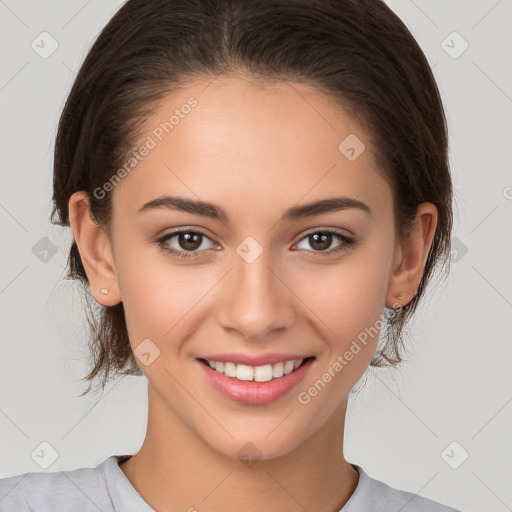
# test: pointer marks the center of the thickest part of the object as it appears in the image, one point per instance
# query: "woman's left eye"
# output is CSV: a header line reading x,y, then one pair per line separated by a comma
x,y
323,239
189,242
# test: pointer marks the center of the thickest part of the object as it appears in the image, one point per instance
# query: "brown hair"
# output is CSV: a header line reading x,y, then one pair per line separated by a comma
x,y
358,52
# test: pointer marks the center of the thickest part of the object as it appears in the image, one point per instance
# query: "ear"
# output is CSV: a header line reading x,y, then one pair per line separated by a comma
x,y
95,251
410,257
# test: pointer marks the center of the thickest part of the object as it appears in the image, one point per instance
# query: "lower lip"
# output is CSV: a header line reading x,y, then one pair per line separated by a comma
x,y
255,393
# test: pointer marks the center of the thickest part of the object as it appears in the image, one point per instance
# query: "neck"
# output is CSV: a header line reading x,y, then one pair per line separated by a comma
x,y
176,470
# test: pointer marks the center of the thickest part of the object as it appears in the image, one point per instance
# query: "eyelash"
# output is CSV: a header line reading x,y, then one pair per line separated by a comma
x,y
345,245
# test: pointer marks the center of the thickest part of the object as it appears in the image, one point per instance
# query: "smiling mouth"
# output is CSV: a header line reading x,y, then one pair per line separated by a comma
x,y
265,373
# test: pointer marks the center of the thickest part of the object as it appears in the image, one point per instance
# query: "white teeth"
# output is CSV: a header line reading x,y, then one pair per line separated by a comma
x,y
278,370
288,367
229,369
263,373
244,372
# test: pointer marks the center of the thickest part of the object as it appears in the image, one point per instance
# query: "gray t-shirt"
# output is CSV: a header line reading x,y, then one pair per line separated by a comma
x,y
106,489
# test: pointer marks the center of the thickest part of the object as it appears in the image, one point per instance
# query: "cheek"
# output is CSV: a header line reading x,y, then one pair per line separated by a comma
x,y
157,295
158,302
348,296
347,301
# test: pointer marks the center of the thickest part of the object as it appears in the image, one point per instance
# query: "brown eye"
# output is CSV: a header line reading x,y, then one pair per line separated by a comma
x,y
183,243
322,240
189,241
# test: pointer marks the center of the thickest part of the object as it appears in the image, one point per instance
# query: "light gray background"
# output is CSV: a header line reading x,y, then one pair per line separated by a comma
x,y
457,384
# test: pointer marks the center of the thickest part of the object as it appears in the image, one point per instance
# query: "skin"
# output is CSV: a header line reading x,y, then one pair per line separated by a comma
x,y
255,151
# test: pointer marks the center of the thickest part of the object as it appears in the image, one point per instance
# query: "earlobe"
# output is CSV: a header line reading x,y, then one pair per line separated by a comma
x,y
95,251
411,257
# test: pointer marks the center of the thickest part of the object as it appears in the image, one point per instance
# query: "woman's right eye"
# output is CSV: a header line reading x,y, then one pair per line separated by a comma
x,y
186,244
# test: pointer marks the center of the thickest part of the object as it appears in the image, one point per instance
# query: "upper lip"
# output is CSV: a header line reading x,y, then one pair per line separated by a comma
x,y
254,360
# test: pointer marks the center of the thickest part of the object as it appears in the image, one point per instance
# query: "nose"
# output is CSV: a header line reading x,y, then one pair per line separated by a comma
x,y
257,300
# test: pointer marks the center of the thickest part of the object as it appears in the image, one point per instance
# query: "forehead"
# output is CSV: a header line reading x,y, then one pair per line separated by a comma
x,y
237,143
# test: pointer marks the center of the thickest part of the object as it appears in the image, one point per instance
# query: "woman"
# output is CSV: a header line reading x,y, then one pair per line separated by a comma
x,y
257,191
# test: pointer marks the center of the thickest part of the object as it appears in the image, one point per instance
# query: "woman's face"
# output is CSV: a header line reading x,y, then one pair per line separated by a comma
x,y
254,279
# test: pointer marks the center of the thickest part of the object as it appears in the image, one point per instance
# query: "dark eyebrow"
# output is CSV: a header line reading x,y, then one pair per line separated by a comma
x,y
215,212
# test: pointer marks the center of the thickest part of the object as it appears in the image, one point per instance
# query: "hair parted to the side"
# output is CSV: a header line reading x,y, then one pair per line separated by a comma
x,y
358,52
